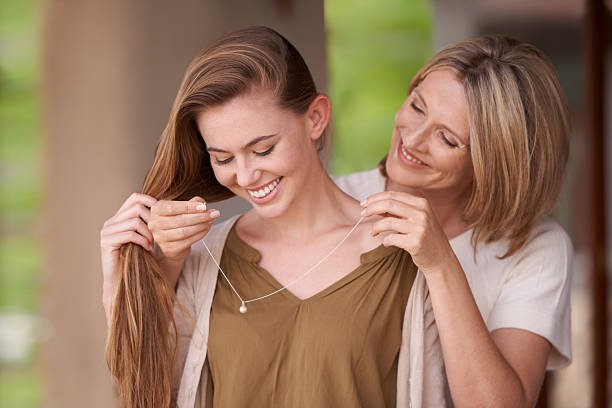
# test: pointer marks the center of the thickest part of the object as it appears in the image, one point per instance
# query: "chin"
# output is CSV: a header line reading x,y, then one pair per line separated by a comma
x,y
403,176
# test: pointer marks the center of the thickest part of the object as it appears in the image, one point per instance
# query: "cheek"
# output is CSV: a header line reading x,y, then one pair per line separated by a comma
x,y
462,171
395,138
222,174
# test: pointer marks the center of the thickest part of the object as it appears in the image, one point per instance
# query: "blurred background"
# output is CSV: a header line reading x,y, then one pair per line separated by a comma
x,y
85,90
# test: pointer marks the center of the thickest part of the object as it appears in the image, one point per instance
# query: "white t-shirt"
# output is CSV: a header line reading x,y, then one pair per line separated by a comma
x,y
529,290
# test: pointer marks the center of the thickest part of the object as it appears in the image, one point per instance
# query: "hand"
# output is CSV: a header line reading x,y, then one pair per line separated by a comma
x,y
127,225
412,226
176,226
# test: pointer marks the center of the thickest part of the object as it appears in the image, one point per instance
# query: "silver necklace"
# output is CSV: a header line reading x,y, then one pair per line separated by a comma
x,y
243,309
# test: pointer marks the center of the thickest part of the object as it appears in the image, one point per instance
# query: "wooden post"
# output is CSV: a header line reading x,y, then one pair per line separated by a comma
x,y
595,118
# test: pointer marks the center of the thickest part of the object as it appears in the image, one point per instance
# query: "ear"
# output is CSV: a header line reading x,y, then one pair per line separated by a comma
x,y
318,116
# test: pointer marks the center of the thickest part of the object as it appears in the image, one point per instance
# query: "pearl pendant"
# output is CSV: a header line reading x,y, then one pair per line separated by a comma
x,y
243,308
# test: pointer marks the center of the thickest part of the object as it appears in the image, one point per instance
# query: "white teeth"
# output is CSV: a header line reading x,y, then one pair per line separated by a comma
x,y
409,157
262,192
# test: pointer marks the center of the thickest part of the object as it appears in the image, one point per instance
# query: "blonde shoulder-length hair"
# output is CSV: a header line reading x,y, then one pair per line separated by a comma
x,y
519,134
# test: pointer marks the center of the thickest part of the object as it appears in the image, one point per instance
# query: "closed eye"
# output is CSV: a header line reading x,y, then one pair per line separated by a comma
x,y
416,108
447,141
265,152
222,162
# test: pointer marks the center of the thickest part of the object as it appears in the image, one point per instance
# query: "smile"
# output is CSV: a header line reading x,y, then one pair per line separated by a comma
x,y
409,157
265,190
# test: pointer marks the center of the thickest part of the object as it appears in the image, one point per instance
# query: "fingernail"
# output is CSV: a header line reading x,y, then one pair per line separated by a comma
x,y
363,203
201,207
214,214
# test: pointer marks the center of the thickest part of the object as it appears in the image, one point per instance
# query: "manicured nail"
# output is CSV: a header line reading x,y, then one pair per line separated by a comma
x,y
214,214
201,207
363,203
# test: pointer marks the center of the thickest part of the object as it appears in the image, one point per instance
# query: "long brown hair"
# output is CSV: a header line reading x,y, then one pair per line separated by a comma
x,y
141,341
519,133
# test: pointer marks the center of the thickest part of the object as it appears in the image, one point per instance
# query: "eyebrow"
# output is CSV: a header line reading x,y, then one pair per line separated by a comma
x,y
251,143
418,94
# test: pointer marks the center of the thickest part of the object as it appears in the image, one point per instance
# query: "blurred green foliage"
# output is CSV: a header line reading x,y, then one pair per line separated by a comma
x,y
374,49
17,388
20,186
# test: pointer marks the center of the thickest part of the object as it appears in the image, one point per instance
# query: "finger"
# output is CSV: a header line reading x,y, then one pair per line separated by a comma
x,y
165,208
126,237
158,224
181,234
399,240
182,220
406,198
143,199
176,247
136,210
391,224
132,224
198,199
390,207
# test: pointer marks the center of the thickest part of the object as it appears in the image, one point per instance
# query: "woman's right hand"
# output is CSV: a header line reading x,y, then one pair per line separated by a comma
x,y
127,225
176,226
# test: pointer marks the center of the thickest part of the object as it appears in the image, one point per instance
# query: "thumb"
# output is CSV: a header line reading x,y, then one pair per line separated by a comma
x,y
198,199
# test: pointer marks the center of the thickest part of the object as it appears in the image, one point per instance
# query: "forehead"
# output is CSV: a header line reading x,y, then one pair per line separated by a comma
x,y
445,97
243,118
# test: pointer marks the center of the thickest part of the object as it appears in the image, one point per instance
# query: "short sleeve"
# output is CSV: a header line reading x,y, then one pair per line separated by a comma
x,y
535,294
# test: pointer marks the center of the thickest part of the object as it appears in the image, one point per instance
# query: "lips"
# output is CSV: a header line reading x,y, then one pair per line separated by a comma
x,y
408,157
263,192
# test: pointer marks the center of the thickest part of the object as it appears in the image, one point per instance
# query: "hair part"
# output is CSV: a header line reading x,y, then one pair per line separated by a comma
x,y
519,134
142,338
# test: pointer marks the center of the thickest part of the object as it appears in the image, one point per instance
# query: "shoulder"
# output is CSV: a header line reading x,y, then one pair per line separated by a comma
x,y
548,236
548,239
361,184
548,251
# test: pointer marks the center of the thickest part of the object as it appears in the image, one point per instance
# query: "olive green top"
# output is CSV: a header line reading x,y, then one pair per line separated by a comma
x,y
337,348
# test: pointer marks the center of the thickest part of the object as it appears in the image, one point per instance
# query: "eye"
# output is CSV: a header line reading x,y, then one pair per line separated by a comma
x,y
222,162
446,140
265,152
414,106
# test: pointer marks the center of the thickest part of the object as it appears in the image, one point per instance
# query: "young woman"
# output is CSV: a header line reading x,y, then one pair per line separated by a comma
x,y
294,303
474,168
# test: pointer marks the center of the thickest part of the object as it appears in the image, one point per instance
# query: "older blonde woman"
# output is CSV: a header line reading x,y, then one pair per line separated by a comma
x,y
475,165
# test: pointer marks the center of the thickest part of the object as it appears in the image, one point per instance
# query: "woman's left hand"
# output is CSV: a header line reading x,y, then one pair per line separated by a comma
x,y
412,226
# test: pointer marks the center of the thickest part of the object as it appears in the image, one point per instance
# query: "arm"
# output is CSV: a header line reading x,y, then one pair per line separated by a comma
x,y
503,368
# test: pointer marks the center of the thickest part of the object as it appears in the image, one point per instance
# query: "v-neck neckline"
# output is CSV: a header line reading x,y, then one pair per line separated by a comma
x,y
250,254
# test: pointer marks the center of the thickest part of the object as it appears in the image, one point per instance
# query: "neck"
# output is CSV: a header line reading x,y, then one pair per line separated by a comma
x,y
318,207
447,207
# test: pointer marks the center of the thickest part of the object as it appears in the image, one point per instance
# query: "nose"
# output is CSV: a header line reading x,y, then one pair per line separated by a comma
x,y
415,137
413,129
246,174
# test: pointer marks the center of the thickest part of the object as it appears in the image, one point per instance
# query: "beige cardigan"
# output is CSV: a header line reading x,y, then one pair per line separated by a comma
x,y
421,381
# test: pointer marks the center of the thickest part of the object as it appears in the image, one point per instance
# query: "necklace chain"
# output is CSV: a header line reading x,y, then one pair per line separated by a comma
x,y
243,308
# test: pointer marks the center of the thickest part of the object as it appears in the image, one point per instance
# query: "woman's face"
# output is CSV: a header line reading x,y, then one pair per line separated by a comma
x,y
430,144
258,150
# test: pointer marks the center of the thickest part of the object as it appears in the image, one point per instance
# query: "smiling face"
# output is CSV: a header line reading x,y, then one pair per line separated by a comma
x,y
261,152
430,144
